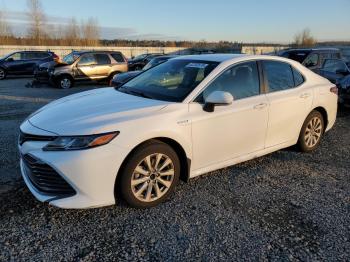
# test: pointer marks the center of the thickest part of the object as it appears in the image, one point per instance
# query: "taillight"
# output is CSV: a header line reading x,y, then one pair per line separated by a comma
x,y
125,59
56,57
334,90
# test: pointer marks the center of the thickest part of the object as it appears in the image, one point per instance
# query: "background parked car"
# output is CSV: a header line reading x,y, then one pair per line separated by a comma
x,y
138,62
312,58
337,71
24,62
85,65
122,78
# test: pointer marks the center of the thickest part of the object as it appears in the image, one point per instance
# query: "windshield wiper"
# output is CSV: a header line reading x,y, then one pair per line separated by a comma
x,y
133,92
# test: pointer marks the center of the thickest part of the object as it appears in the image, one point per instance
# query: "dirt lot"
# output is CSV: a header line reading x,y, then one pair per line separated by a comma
x,y
284,206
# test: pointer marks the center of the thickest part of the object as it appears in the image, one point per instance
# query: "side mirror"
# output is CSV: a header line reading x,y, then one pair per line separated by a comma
x,y
217,98
10,59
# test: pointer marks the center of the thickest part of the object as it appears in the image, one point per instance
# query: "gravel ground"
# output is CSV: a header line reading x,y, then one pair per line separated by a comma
x,y
284,206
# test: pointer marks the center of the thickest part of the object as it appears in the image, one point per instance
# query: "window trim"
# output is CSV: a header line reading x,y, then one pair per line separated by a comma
x,y
291,67
261,84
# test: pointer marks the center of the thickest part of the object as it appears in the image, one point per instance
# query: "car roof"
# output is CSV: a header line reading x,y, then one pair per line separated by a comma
x,y
94,51
311,49
212,57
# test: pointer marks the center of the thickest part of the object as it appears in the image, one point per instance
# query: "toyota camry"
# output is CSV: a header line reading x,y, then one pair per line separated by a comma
x,y
180,119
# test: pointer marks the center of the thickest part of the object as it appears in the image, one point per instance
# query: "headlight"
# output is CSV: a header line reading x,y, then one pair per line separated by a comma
x,y
63,143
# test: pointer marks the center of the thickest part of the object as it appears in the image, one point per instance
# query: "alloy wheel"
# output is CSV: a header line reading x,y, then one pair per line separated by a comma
x,y
65,83
313,132
152,177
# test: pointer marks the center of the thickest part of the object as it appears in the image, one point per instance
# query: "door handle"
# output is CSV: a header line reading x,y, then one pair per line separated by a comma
x,y
305,95
260,106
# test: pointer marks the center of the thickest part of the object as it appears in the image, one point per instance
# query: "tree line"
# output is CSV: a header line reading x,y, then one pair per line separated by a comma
x,y
39,32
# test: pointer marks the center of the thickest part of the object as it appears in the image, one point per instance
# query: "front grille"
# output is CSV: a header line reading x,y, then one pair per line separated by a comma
x,y
44,178
23,137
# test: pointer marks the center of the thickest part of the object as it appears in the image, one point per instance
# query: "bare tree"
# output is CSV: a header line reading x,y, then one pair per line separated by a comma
x,y
90,32
37,19
72,34
5,30
304,39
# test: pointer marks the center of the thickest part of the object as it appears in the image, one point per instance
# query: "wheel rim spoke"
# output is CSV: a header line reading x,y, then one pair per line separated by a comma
x,y
139,181
165,164
164,182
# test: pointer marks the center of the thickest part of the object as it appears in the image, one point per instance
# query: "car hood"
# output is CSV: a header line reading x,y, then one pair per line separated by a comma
x,y
92,112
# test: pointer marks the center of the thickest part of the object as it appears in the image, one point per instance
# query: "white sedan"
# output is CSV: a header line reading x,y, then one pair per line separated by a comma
x,y
183,118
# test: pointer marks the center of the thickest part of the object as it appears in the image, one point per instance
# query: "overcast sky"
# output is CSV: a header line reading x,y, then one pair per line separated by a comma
x,y
211,20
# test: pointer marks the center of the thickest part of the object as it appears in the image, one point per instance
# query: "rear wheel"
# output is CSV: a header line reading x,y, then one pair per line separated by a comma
x,y
2,73
65,82
150,175
311,132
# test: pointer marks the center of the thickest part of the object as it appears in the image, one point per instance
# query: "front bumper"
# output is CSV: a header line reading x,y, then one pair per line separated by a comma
x,y
90,173
41,75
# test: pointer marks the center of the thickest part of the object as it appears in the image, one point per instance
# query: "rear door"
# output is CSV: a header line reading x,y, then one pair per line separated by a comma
x,y
103,65
290,99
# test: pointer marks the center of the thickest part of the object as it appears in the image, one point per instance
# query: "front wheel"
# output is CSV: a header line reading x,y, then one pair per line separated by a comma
x,y
311,132
150,175
2,73
65,82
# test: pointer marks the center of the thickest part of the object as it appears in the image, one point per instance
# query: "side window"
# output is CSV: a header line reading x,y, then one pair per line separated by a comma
x,y
298,77
118,57
102,59
335,55
241,81
15,56
41,55
87,59
334,65
311,60
279,75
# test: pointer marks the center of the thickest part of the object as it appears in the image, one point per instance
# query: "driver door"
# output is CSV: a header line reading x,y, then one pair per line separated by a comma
x,y
86,67
234,130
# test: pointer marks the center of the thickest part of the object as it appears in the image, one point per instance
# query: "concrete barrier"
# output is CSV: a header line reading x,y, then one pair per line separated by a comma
x,y
64,50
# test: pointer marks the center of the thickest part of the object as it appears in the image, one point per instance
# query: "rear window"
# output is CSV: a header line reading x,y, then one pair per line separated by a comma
x,y
296,55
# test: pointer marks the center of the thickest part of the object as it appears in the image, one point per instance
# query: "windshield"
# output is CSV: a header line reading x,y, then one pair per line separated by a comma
x,y
171,81
69,59
154,62
139,57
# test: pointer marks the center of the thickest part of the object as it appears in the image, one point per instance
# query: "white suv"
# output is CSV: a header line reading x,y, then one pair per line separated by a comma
x,y
183,118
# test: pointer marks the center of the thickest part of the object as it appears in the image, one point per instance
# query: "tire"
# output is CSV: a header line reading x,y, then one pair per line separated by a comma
x,y
144,187
65,82
2,73
110,78
311,132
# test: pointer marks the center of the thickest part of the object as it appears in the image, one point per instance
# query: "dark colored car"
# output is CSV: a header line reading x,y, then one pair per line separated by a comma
x,y
337,71
120,79
138,62
80,66
24,62
312,58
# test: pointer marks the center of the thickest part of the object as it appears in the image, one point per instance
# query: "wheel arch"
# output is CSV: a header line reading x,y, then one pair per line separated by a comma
x,y
324,114
185,161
